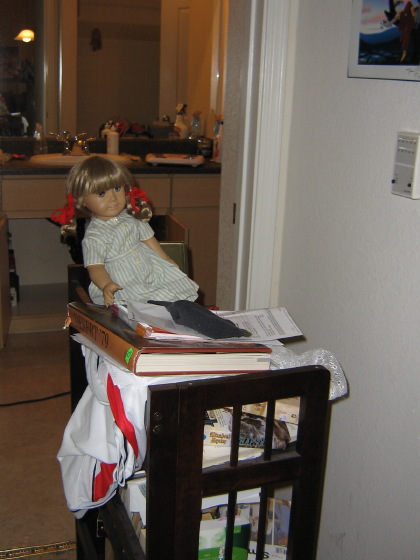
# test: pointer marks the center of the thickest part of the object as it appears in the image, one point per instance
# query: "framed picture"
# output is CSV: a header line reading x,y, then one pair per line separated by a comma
x,y
385,40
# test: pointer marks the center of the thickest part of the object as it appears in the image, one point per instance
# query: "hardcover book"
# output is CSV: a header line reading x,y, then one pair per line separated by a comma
x,y
144,356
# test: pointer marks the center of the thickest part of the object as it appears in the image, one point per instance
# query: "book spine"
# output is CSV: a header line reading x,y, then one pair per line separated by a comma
x,y
123,352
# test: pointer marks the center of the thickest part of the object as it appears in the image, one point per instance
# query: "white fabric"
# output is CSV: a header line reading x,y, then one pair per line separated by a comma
x,y
92,436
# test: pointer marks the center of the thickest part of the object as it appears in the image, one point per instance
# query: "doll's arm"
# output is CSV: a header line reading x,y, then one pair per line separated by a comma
x,y
154,244
100,277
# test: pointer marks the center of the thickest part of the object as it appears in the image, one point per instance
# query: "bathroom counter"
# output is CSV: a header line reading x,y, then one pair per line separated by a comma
x,y
137,147
26,167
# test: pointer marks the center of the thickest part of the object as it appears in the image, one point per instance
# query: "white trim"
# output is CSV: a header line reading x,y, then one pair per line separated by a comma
x,y
268,150
51,77
260,164
246,152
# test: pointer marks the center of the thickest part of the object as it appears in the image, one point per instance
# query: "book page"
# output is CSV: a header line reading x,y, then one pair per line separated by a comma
x,y
264,324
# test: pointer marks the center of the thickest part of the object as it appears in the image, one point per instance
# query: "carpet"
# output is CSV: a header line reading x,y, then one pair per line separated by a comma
x,y
56,551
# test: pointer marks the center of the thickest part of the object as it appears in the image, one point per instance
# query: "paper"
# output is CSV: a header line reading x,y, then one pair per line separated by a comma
x,y
263,324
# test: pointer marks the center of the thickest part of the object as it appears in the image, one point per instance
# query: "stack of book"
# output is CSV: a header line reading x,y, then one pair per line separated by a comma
x,y
173,355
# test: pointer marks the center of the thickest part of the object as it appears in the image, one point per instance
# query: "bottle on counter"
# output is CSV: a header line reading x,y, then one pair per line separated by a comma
x,y
104,131
217,140
180,127
112,141
195,126
13,276
40,144
204,146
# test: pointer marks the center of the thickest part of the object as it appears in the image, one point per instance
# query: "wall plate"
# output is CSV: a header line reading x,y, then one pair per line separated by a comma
x,y
406,179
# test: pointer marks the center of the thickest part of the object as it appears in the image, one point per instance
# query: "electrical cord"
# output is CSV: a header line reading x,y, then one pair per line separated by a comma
x,y
36,400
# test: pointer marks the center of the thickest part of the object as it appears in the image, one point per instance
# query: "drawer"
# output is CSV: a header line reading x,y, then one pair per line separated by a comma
x,y
32,197
193,192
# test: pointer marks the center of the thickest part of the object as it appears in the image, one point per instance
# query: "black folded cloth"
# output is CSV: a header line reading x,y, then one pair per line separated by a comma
x,y
201,319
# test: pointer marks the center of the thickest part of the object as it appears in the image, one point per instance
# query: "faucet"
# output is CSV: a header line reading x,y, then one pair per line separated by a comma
x,y
80,141
80,144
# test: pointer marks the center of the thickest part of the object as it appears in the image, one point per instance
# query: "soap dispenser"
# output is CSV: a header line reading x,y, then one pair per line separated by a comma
x,y
180,125
112,141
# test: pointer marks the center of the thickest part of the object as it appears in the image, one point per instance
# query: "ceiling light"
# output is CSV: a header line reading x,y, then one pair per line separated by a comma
x,y
26,35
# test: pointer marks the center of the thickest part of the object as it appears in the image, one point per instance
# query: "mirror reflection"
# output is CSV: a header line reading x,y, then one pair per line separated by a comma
x,y
17,69
132,62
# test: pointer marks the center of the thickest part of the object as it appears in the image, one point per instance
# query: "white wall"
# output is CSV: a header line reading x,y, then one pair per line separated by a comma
x,y
350,277
40,257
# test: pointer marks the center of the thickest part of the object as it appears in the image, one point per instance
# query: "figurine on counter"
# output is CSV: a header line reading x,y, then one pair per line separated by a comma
x,y
124,259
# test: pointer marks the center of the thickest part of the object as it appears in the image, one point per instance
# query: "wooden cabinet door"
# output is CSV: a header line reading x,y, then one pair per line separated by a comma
x,y
195,203
5,302
203,227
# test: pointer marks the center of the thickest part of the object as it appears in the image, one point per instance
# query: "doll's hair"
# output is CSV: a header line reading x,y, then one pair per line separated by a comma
x,y
98,174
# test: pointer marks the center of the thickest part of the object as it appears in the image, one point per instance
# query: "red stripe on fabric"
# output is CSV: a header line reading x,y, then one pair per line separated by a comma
x,y
117,407
103,481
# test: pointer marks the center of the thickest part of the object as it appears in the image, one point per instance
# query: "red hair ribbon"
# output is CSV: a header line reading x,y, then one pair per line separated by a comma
x,y
64,215
134,193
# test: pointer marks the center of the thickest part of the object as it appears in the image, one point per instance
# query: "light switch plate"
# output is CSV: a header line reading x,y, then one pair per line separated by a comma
x,y
406,179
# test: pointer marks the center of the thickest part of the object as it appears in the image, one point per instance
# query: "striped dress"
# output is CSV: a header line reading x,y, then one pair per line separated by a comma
x,y
117,244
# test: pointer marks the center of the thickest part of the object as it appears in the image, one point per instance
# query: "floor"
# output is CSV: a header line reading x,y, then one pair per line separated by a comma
x,y
33,510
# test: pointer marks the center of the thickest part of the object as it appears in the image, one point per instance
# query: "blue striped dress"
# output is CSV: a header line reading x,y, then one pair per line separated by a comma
x,y
117,244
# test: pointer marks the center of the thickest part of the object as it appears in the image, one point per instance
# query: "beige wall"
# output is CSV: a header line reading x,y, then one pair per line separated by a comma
x,y
153,57
192,58
121,80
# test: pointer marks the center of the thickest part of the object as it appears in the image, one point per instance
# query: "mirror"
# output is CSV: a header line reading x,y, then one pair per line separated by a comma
x,y
135,61
17,69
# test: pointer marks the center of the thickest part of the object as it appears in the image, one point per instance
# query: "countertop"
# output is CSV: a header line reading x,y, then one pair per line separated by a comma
x,y
130,146
25,167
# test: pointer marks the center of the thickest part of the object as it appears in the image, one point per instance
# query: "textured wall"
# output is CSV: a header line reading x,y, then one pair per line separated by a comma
x,y
350,269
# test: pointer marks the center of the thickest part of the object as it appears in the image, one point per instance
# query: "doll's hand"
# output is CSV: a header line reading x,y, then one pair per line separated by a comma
x,y
109,291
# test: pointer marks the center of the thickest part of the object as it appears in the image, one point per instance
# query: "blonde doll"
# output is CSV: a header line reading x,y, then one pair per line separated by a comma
x,y
124,259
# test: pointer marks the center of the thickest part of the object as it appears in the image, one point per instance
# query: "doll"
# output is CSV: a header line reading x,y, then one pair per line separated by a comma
x,y
123,258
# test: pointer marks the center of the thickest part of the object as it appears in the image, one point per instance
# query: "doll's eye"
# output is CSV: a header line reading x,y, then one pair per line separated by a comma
x,y
101,194
117,189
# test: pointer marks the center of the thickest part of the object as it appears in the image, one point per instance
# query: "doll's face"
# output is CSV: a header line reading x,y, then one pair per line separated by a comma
x,y
107,204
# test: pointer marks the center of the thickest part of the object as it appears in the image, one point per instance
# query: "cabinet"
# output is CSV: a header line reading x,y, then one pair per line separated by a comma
x,y
158,189
195,203
5,302
32,196
37,196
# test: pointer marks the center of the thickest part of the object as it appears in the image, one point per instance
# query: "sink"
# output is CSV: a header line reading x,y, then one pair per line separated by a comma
x,y
68,160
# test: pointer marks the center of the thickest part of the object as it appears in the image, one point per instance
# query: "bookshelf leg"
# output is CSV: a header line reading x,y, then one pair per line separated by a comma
x,y
90,546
